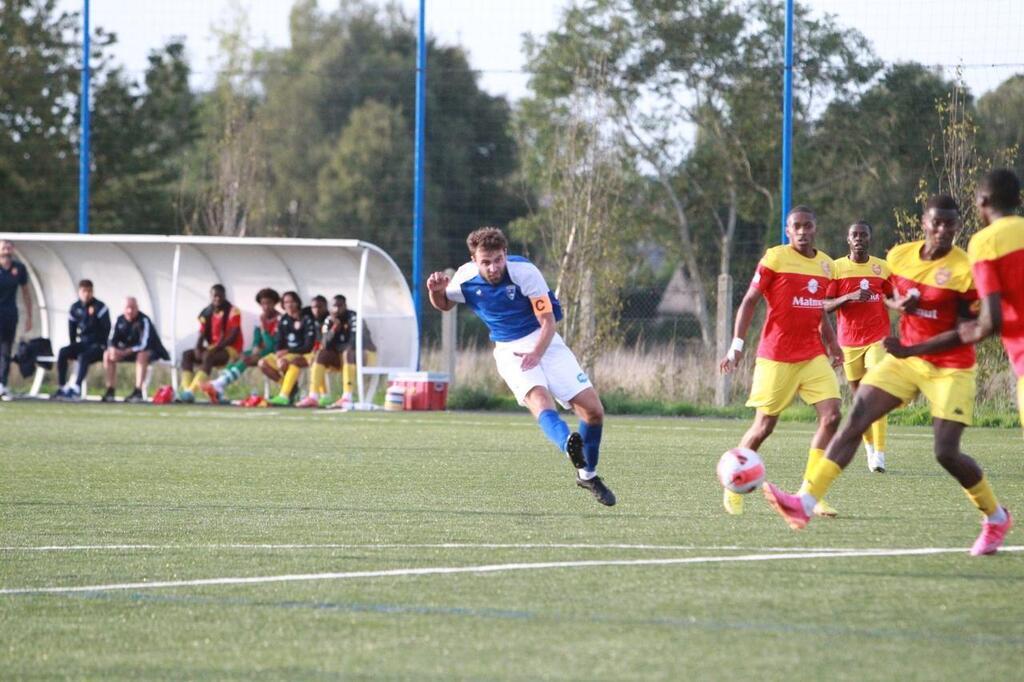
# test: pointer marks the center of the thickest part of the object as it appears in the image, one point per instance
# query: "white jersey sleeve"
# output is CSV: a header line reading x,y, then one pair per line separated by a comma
x,y
465,273
528,278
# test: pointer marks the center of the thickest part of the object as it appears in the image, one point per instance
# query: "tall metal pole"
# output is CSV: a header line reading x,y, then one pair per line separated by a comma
x,y
418,161
787,121
83,152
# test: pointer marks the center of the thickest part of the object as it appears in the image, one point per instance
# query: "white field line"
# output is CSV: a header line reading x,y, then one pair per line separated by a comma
x,y
480,569
438,545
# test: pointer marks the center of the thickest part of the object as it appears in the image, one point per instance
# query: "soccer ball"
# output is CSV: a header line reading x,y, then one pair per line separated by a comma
x,y
740,470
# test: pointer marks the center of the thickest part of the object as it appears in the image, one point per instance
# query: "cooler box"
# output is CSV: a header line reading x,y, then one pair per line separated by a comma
x,y
423,390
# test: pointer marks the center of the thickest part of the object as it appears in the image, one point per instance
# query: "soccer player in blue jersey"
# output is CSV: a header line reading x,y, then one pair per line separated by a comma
x,y
509,294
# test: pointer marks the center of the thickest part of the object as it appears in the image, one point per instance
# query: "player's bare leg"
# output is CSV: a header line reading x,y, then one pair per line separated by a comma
x,y
969,475
870,404
762,427
829,416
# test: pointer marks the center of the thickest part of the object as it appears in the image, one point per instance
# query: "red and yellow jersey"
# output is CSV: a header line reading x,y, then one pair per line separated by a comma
x,y
861,323
997,261
944,287
216,324
794,287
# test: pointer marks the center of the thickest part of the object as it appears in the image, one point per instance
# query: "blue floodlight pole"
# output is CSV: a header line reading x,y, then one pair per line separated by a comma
x,y
418,160
787,121
83,152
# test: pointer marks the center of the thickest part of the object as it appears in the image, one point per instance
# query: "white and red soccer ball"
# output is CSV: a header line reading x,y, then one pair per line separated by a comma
x,y
740,470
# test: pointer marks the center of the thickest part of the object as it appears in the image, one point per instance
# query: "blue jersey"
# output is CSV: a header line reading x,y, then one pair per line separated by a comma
x,y
10,279
506,308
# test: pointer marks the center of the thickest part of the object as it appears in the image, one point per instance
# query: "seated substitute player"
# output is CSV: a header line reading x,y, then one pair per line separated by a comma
x,y
933,284
859,292
132,339
296,335
338,354
88,329
509,294
220,342
264,342
791,357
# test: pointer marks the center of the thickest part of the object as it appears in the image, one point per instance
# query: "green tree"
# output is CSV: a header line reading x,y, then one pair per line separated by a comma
x,y
692,88
363,190
39,87
875,147
140,137
340,60
1000,123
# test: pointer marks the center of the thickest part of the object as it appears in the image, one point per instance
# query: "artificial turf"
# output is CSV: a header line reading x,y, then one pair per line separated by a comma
x,y
189,493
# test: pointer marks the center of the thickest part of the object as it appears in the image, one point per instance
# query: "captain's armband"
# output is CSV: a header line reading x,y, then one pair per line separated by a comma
x,y
541,305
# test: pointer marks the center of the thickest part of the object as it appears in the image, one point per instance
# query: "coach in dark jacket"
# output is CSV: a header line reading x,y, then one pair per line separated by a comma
x,y
132,339
88,329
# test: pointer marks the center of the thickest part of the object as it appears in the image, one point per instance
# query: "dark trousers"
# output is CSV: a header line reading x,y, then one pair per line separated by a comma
x,y
85,353
8,327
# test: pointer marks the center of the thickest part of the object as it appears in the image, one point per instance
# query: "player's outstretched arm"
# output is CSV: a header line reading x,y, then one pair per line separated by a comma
x,y
833,304
989,322
744,316
437,283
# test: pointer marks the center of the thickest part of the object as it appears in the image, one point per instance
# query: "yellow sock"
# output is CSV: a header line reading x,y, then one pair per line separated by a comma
x,y
821,479
348,378
291,377
814,455
318,379
197,381
869,438
186,379
982,497
879,430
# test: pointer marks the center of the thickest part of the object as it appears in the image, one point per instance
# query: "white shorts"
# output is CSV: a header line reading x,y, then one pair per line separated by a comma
x,y
559,371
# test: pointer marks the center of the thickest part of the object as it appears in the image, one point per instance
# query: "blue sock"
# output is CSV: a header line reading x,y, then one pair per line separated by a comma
x,y
591,434
554,428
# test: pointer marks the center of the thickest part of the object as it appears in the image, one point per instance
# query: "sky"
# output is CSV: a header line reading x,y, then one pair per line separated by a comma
x,y
985,36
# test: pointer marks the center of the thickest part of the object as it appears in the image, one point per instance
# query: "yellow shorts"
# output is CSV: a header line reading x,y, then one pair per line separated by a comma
x,y
857,360
949,390
272,361
775,384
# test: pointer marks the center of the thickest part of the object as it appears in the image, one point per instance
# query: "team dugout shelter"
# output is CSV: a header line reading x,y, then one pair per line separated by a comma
x,y
171,277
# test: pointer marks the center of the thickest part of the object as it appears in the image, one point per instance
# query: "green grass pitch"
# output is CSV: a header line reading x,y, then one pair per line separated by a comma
x,y
337,511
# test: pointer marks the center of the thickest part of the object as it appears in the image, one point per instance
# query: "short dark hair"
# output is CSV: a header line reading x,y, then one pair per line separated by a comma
x,y
85,284
339,297
219,288
864,223
293,294
941,202
488,238
321,298
267,292
1002,188
801,208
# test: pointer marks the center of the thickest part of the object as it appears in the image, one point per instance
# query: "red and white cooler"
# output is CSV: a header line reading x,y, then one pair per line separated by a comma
x,y
423,390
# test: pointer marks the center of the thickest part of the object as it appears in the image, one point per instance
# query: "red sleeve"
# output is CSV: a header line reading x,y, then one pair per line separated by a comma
x,y
833,288
986,277
763,278
887,288
235,319
202,325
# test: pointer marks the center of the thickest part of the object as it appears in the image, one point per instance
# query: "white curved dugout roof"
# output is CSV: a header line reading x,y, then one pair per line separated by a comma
x,y
171,276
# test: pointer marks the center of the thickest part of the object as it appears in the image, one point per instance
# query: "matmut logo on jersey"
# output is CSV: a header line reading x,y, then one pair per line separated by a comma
x,y
813,287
